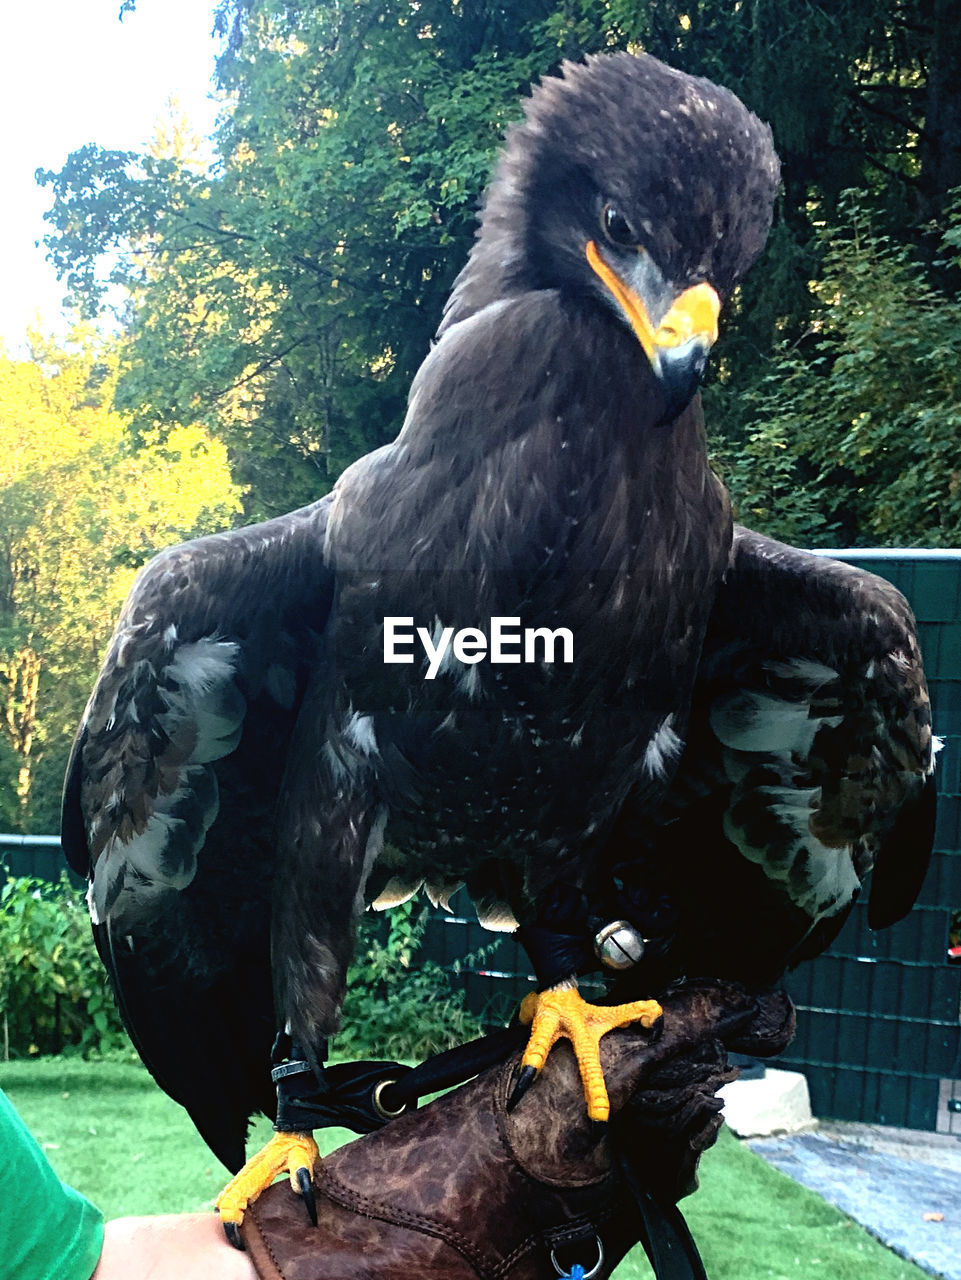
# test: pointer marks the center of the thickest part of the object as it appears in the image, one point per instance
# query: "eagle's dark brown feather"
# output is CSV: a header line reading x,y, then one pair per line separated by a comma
x,y
809,761
170,809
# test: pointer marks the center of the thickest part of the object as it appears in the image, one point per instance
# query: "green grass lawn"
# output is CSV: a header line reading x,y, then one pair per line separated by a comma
x,y
110,1132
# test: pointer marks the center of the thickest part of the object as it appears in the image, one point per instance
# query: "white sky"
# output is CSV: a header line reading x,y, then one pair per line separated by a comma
x,y
71,73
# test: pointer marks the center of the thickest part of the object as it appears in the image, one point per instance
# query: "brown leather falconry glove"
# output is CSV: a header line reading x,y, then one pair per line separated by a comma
x,y
464,1190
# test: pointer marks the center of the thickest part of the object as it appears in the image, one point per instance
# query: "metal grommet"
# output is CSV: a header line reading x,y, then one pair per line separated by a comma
x,y
587,1274
385,1113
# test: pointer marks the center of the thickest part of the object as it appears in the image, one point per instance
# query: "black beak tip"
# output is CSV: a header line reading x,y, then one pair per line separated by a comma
x,y
679,372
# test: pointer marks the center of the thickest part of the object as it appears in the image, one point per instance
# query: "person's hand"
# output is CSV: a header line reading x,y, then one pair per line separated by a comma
x,y
183,1246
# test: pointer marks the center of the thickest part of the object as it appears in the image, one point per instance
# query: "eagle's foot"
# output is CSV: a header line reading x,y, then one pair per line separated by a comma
x,y
295,1154
564,1012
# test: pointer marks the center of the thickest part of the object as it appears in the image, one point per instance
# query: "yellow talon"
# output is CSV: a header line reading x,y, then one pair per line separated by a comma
x,y
284,1153
565,1012
528,1007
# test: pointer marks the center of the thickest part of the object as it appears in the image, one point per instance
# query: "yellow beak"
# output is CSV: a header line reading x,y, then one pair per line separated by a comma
x,y
693,314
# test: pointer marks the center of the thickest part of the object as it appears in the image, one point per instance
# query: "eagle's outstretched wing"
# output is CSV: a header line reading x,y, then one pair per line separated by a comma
x,y
808,762
170,798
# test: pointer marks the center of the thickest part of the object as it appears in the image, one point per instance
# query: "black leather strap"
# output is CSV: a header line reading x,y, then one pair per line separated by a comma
x,y
363,1096
346,1094
456,1065
666,1237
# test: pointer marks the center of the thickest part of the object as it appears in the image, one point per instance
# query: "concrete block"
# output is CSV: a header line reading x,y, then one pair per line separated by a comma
x,y
777,1102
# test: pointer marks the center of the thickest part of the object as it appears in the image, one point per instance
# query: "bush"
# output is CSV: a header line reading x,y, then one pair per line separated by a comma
x,y
399,1007
54,992
856,434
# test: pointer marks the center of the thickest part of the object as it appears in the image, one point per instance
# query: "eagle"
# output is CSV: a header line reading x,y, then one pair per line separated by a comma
x,y
697,785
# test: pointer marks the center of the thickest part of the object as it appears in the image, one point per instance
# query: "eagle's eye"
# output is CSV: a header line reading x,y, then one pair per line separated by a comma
x,y
617,228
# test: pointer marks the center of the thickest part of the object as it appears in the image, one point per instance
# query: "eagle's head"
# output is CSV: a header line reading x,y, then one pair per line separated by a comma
x,y
639,187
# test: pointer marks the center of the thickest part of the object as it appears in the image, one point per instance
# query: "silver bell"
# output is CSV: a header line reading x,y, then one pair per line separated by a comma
x,y
618,945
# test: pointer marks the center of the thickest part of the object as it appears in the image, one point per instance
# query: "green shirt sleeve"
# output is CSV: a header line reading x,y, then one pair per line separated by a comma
x,y
48,1231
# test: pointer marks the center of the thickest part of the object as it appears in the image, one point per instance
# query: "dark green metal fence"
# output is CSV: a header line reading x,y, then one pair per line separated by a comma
x,y
31,856
878,1026
878,1015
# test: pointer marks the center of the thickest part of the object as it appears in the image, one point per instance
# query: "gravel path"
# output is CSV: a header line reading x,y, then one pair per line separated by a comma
x,y
886,1179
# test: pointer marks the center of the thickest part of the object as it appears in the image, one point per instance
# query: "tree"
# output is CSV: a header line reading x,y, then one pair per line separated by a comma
x,y
81,508
856,432
285,295
299,284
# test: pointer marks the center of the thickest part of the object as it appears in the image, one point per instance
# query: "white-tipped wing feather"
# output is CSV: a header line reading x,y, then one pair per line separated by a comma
x,y
209,627
170,804
809,761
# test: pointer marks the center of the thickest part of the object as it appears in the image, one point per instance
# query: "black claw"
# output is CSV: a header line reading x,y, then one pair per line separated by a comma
x,y
524,1081
232,1232
598,1128
307,1193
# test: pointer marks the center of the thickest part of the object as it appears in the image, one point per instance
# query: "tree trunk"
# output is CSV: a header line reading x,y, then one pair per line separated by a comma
x,y
22,675
941,142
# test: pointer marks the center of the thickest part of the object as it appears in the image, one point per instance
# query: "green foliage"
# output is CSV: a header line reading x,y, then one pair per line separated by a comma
x,y
855,436
285,294
54,992
299,280
398,1006
82,507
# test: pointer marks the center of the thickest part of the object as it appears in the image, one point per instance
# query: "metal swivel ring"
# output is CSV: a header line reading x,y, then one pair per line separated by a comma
x,y
584,1275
